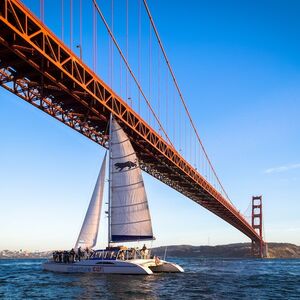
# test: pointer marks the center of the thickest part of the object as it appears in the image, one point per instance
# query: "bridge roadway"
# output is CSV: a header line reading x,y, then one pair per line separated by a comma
x,y
36,66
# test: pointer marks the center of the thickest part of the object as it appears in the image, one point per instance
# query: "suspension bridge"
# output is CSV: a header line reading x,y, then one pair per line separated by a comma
x,y
97,60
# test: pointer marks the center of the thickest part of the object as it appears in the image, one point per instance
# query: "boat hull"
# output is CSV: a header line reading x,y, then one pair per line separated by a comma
x,y
166,267
136,267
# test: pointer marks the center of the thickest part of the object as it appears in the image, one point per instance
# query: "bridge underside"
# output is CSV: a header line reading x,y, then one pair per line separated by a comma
x,y
38,68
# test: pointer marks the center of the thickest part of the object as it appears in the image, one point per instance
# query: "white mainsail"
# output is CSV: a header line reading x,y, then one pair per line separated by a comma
x,y
89,230
129,213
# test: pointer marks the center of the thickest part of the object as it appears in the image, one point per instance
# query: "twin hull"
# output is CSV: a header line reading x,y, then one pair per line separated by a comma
x,y
135,266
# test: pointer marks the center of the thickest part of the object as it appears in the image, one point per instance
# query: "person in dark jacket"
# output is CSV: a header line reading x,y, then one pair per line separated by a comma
x,y
79,253
72,255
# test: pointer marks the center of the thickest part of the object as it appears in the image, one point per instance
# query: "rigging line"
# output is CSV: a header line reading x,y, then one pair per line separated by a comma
x,y
181,97
107,129
129,69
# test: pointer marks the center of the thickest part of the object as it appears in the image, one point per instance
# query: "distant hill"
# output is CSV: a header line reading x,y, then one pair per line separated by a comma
x,y
242,250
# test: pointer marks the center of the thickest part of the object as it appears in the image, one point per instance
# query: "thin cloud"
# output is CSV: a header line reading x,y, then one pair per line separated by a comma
x,y
282,168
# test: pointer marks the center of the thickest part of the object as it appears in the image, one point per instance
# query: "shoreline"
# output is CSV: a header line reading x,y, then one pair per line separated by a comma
x,y
229,251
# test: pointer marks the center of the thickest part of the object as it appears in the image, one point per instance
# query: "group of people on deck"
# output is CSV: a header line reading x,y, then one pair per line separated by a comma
x,y
131,253
72,255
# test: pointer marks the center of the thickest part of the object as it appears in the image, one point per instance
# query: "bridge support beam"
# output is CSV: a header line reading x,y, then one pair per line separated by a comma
x,y
258,249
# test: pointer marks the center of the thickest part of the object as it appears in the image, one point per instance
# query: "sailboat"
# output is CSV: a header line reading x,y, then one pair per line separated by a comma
x,y
129,220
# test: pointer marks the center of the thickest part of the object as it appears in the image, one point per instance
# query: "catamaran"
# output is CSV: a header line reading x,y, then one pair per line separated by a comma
x,y
128,219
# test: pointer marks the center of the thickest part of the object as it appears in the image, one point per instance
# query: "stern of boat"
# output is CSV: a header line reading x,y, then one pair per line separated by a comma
x,y
159,267
166,267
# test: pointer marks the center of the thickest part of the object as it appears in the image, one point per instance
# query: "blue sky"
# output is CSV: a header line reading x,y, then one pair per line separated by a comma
x,y
238,65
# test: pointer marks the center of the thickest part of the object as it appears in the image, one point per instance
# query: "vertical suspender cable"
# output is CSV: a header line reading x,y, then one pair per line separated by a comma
x,y
112,46
42,10
94,18
108,58
94,40
127,50
62,20
121,75
158,83
150,67
80,23
174,118
96,43
71,24
130,70
167,95
181,125
185,137
182,99
43,62
121,79
139,50
190,144
197,156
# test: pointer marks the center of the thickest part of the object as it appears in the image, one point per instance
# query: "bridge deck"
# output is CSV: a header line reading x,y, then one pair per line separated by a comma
x,y
39,68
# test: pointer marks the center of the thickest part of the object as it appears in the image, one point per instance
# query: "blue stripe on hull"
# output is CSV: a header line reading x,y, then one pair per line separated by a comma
x,y
128,238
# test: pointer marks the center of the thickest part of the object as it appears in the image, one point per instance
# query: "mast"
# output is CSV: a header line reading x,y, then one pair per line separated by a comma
x,y
109,181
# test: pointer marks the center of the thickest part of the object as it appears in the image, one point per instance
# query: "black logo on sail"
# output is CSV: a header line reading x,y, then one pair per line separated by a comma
x,y
128,164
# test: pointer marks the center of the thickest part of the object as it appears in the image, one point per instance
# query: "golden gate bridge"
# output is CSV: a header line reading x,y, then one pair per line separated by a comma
x,y
100,60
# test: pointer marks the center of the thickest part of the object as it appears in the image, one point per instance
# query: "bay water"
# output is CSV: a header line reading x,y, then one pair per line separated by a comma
x,y
203,279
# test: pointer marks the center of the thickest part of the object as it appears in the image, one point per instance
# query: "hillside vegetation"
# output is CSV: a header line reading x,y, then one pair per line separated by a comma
x,y
243,250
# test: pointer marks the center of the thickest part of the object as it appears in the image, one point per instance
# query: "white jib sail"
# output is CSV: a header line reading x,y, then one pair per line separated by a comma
x,y
89,230
130,217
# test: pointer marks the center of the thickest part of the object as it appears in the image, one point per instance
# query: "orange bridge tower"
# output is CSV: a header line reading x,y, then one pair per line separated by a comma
x,y
258,248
